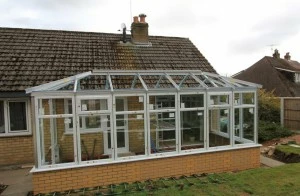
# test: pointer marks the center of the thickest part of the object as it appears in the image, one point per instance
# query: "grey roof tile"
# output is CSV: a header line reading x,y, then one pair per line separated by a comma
x,y
30,57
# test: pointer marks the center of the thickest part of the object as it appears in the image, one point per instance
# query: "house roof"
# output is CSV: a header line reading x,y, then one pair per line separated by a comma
x,y
31,57
273,74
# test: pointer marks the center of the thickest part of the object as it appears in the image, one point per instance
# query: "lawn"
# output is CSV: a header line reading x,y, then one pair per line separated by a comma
x,y
288,149
283,180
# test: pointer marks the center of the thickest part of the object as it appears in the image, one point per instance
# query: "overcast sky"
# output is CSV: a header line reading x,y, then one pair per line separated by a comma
x,y
231,34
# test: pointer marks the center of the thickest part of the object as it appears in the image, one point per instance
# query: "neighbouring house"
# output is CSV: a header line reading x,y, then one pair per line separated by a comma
x,y
282,76
103,108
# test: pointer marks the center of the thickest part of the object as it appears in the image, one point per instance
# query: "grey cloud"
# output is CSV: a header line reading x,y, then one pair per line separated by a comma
x,y
272,31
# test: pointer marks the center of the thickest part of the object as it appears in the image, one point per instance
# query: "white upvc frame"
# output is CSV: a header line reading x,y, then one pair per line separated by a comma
x,y
224,106
125,127
79,113
155,111
126,97
7,128
39,133
241,106
193,109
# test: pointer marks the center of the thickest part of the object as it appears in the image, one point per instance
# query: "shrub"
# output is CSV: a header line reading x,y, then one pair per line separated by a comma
x,y
270,130
268,106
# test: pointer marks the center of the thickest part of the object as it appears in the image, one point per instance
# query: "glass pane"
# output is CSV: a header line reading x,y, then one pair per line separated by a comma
x,y
191,101
131,138
126,82
219,127
56,146
248,98
192,129
162,132
219,99
237,100
237,126
157,82
54,106
95,140
94,82
162,102
94,105
248,124
130,103
185,81
17,116
2,123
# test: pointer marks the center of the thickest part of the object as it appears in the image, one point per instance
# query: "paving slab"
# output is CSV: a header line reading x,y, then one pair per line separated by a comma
x,y
270,162
18,181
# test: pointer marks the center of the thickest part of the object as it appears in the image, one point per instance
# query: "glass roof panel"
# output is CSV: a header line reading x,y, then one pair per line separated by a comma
x,y
157,81
68,87
141,79
205,80
218,81
185,81
93,82
126,82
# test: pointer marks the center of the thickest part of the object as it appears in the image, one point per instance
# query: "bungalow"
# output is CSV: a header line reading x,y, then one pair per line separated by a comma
x,y
105,108
282,76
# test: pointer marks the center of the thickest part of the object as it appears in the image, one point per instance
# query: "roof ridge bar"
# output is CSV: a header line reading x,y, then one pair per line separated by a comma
x,y
56,83
172,81
198,80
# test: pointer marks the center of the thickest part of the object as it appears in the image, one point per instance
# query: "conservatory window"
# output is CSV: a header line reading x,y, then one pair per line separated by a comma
x,y
162,123
219,120
130,126
192,121
244,114
56,147
13,117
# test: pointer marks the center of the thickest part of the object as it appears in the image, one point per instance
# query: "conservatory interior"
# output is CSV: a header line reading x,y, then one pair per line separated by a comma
x,y
104,116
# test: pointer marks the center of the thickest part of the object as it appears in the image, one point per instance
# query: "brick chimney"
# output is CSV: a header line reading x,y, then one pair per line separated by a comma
x,y
287,56
139,30
276,54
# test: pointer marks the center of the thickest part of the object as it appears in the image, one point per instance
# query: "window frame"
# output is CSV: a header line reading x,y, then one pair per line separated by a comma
x,y
7,127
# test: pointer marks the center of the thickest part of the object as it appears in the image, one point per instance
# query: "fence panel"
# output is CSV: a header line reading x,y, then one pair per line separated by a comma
x,y
290,112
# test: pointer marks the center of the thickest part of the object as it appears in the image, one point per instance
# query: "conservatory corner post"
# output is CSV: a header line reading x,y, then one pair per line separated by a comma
x,y
256,118
177,123
76,130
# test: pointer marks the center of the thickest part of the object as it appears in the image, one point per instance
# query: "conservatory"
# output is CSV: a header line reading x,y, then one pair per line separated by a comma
x,y
108,117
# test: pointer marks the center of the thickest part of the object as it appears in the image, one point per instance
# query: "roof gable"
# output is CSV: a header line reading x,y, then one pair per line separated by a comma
x,y
30,57
269,73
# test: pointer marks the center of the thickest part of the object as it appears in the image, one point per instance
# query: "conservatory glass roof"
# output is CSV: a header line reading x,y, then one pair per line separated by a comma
x,y
145,80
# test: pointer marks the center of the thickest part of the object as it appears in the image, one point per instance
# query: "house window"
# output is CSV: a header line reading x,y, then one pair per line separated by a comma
x,y
13,117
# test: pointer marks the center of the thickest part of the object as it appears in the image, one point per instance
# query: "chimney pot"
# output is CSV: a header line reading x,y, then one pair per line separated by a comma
x,y
142,18
139,30
136,19
276,54
287,56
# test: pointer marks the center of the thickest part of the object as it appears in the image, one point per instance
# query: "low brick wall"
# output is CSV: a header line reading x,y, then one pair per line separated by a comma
x,y
16,150
222,161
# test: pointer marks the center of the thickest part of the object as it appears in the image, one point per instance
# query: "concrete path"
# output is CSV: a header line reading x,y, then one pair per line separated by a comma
x,y
270,162
19,181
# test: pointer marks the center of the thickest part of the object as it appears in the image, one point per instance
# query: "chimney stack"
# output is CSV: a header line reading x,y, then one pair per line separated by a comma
x,y
287,56
276,54
139,30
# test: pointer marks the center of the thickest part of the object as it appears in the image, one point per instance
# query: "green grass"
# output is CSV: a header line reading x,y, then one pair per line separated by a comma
x,y
288,149
283,180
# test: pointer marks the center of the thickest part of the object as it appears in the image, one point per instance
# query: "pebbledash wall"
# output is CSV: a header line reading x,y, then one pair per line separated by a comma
x,y
16,150
90,176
